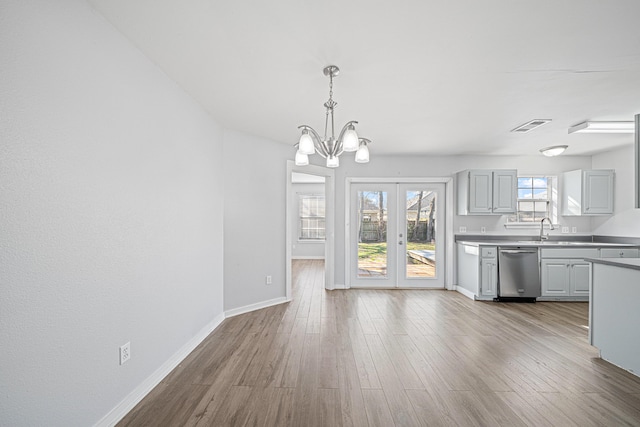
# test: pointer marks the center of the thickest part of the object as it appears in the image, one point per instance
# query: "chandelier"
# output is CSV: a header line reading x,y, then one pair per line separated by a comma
x,y
329,146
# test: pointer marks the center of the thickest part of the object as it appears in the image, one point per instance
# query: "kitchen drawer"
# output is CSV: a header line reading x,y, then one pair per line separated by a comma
x,y
619,253
489,252
578,253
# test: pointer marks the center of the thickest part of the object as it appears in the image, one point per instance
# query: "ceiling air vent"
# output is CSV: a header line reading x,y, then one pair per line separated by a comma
x,y
529,126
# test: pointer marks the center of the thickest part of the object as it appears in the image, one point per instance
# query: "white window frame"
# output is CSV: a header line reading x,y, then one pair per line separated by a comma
x,y
322,230
553,203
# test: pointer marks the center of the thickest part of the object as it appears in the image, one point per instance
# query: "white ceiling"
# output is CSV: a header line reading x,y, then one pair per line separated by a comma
x,y
420,76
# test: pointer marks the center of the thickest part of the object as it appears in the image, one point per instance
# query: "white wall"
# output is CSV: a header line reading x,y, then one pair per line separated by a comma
x,y
110,202
626,221
255,172
301,249
431,166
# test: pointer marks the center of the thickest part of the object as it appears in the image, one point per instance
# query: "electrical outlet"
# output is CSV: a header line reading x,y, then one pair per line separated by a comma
x,y
269,280
565,229
574,229
463,229
125,353
483,230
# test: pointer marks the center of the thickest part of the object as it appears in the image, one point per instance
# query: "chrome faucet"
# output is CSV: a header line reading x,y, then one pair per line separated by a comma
x,y
543,236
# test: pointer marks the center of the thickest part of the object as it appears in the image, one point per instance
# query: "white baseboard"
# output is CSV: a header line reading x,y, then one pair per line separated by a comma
x,y
466,292
308,257
340,286
129,402
256,306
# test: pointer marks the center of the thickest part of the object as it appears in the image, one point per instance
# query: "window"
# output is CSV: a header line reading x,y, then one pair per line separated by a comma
x,y
311,217
537,199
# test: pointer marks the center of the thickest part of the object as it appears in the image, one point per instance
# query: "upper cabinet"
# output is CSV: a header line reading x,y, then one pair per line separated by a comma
x,y
587,192
487,192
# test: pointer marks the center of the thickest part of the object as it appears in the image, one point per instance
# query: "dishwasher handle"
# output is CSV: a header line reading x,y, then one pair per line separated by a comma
x,y
518,251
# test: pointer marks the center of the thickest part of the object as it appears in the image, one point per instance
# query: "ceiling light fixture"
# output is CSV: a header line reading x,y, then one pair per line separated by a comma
x,y
556,150
603,127
329,146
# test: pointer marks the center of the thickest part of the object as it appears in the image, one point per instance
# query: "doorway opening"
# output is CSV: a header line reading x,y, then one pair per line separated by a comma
x,y
310,219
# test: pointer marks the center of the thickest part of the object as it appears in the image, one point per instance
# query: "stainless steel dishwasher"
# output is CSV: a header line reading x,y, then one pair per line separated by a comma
x,y
518,274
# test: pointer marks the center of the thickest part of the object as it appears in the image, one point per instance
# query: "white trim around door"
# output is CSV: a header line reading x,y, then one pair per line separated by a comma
x,y
448,245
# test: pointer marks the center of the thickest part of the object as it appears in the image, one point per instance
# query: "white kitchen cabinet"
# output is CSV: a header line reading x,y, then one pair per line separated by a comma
x,y
478,271
487,192
554,277
489,272
580,278
587,192
565,277
619,253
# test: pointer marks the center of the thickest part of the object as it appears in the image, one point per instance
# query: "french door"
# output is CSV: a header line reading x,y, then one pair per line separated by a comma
x,y
397,235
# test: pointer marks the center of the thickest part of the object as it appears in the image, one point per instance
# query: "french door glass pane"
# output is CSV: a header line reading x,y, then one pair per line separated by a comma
x,y
420,233
372,234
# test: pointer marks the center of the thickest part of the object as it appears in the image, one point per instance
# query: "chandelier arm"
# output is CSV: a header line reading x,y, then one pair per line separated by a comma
x,y
322,149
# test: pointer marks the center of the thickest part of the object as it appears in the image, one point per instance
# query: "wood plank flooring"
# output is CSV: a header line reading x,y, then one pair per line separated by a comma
x,y
394,358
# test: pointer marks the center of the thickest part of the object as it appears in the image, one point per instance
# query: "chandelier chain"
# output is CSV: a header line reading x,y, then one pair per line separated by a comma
x,y
330,87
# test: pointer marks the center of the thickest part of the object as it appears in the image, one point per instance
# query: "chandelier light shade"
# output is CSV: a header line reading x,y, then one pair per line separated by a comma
x,y
350,142
329,146
362,155
306,144
301,159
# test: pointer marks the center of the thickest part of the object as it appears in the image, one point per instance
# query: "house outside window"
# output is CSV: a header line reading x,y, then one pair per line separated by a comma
x,y
312,217
537,199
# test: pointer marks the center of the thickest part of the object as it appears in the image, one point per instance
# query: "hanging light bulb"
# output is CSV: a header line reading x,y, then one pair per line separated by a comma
x,y
301,159
305,146
362,155
333,161
350,139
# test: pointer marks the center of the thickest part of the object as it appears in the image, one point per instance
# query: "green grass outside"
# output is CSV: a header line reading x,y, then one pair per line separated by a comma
x,y
377,252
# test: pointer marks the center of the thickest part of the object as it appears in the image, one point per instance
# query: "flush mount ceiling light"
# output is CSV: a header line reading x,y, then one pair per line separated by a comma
x,y
603,127
329,146
556,150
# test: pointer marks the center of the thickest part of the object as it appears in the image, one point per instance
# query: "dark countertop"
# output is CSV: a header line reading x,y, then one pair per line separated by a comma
x,y
633,263
544,244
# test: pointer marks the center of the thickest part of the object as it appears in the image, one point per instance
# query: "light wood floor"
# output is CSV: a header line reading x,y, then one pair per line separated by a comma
x,y
401,357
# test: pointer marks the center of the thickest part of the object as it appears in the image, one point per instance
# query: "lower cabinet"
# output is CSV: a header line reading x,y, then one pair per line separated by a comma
x,y
489,277
580,278
565,277
564,274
